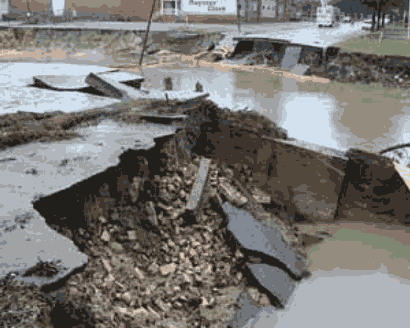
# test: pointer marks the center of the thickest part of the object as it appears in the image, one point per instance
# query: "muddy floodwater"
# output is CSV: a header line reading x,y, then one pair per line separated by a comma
x,y
360,278
335,115
340,117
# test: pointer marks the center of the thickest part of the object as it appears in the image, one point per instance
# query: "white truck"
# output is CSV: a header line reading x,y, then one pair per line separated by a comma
x,y
326,16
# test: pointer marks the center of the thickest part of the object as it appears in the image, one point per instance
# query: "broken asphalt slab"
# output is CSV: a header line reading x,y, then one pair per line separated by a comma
x,y
264,238
115,89
78,82
199,185
99,147
19,94
275,280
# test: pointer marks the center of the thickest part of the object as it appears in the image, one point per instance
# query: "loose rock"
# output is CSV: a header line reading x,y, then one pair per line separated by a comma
x,y
168,269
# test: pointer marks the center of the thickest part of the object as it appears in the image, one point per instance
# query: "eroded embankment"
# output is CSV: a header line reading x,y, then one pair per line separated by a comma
x,y
150,260
329,63
106,47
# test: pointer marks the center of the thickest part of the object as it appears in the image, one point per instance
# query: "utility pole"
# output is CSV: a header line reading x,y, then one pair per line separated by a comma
x,y
238,8
259,10
147,32
408,23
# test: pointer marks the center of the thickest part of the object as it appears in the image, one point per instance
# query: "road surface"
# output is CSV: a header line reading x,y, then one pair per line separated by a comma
x,y
310,34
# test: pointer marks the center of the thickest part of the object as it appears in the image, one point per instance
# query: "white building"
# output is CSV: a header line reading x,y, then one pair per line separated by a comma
x,y
4,8
57,7
198,7
250,11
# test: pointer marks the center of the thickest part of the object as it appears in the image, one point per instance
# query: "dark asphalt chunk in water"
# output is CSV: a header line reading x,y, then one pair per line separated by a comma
x,y
263,238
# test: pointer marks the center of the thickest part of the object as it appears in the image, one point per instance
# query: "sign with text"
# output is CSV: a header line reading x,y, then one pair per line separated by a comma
x,y
206,7
268,8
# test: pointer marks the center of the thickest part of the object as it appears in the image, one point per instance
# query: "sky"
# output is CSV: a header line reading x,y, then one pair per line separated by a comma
x,y
58,7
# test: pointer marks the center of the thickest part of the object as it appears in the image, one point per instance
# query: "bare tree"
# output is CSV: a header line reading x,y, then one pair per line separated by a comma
x,y
380,7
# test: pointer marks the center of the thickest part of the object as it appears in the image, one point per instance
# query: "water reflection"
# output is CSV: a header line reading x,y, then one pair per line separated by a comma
x,y
342,118
360,278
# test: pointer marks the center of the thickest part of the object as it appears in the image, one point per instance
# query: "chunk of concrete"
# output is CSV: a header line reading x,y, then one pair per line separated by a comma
x,y
112,88
275,280
291,57
264,238
199,185
233,195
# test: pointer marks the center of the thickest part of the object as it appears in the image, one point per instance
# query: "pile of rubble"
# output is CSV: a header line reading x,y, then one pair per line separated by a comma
x,y
169,251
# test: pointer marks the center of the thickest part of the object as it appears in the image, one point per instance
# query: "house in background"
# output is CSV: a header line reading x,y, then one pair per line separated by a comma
x,y
251,11
207,11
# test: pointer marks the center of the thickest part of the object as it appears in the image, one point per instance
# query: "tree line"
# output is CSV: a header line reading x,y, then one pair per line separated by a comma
x,y
378,8
381,7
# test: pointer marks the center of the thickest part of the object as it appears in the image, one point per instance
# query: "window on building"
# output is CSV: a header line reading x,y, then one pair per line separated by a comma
x,y
255,7
263,7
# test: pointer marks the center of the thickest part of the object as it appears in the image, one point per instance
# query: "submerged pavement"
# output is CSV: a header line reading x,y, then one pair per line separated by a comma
x,y
18,95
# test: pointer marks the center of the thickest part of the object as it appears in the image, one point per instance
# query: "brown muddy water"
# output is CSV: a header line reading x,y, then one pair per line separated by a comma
x,y
335,115
360,278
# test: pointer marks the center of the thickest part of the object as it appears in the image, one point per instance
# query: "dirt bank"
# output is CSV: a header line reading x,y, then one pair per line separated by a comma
x,y
106,48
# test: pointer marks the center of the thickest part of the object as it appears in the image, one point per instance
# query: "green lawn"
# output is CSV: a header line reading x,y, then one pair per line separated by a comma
x,y
366,45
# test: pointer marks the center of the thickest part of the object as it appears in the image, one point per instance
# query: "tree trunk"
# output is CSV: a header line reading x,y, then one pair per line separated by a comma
x,y
383,16
259,10
374,20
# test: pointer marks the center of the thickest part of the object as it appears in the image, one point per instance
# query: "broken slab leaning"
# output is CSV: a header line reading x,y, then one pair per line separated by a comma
x,y
260,237
196,195
275,280
113,183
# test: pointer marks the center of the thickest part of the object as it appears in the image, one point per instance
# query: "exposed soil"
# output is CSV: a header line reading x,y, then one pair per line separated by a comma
x,y
186,274
184,270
